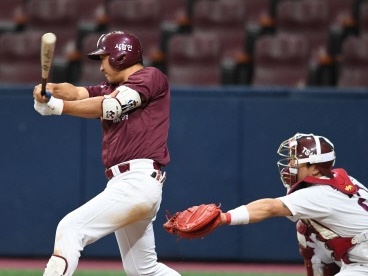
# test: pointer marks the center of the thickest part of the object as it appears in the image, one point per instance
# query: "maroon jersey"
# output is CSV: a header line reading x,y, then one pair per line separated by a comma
x,y
142,132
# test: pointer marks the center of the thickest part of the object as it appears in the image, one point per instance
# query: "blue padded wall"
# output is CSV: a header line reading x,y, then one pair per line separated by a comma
x,y
223,144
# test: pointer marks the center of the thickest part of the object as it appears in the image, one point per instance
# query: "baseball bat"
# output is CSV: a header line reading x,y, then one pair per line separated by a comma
x,y
48,42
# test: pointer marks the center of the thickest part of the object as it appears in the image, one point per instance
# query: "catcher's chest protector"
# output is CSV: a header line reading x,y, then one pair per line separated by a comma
x,y
341,182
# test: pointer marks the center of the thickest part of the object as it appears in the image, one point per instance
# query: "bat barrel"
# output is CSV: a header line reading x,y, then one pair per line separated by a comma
x,y
48,42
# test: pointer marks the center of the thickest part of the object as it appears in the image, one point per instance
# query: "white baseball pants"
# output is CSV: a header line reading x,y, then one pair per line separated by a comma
x,y
127,206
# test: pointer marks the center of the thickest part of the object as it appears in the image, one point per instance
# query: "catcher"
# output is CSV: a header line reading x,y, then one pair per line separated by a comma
x,y
330,209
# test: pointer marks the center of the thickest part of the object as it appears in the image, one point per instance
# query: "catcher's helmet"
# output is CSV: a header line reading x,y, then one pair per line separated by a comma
x,y
305,148
124,49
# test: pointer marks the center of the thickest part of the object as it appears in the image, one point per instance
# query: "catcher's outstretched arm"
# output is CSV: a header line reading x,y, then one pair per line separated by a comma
x,y
256,211
237,216
199,221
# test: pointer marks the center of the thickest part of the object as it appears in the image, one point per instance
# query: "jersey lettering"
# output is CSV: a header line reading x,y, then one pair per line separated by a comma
x,y
110,114
362,204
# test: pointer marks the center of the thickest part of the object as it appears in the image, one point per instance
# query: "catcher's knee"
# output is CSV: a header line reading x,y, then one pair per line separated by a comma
x,y
314,265
312,257
56,266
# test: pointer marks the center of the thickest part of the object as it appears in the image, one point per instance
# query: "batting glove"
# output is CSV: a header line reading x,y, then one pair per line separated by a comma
x,y
53,107
42,108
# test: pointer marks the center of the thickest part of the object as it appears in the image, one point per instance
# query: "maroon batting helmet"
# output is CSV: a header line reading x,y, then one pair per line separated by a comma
x,y
124,49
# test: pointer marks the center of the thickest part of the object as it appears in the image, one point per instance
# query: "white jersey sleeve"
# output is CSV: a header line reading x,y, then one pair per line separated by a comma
x,y
345,215
311,202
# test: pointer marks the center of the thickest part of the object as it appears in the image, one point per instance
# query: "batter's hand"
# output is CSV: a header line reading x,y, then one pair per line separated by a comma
x,y
42,108
54,106
37,93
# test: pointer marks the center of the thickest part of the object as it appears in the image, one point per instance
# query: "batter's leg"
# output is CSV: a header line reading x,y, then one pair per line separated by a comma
x,y
137,247
87,224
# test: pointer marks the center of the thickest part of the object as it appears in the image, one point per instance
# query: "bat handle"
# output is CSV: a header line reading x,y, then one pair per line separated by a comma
x,y
47,94
44,92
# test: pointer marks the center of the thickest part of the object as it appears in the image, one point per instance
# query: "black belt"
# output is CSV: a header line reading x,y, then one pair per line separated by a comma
x,y
126,167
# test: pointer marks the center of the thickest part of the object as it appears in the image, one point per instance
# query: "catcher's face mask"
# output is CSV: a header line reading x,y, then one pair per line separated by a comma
x,y
288,165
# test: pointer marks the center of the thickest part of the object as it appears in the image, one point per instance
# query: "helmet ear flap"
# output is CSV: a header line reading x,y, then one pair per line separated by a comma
x,y
117,61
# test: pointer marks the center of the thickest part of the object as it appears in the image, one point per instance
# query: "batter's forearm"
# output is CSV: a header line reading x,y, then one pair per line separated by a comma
x,y
67,91
87,108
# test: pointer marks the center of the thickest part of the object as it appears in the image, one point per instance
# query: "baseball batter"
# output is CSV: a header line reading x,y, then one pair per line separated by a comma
x,y
133,106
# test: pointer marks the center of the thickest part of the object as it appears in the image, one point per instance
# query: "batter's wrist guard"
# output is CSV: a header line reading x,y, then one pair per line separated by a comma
x,y
56,105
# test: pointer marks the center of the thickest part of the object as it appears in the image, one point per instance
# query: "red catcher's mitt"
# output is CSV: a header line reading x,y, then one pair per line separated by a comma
x,y
194,222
